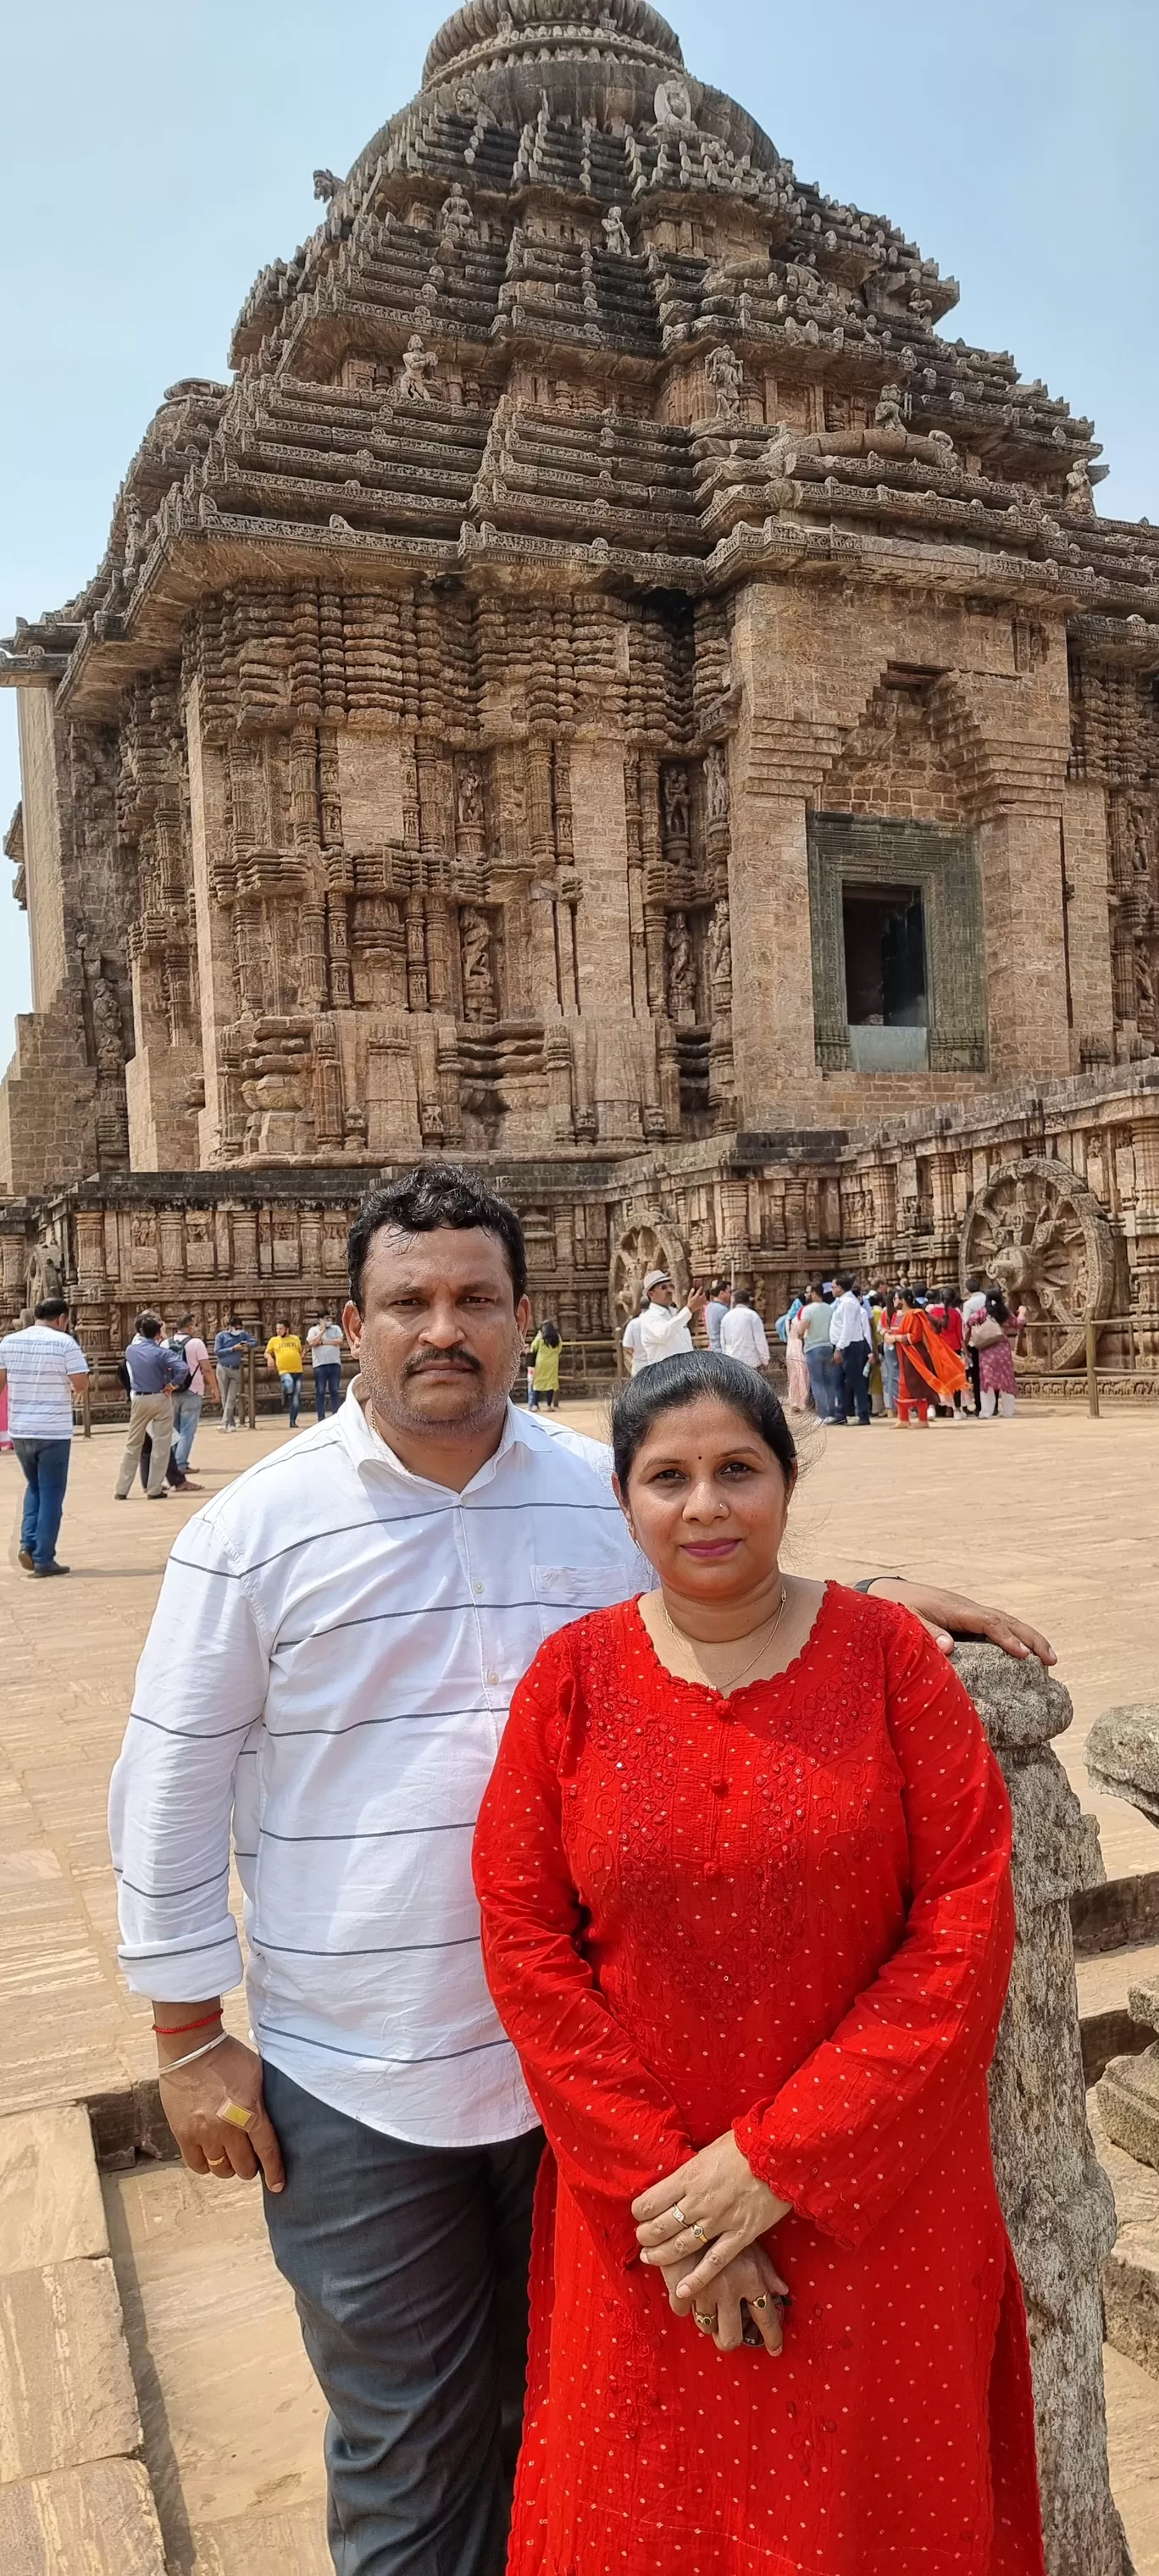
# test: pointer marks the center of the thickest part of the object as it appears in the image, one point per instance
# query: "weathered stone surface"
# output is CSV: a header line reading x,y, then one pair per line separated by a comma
x,y
1143,2003
95,2521
1131,2276
1123,1755
50,2195
265,2544
66,2391
1129,2102
1058,2203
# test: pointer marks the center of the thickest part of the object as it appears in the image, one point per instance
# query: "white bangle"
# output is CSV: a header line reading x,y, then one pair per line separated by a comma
x,y
170,2068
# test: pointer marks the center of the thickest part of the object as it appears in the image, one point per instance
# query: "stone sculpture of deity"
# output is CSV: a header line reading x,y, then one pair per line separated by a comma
x,y
417,364
456,221
471,814
725,376
681,965
478,974
716,783
677,811
616,233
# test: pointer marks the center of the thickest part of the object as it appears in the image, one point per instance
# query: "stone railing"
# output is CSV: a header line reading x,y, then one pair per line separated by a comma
x,y
1058,2203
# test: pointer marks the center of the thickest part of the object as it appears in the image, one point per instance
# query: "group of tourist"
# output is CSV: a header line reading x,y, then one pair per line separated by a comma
x,y
727,2041
907,1353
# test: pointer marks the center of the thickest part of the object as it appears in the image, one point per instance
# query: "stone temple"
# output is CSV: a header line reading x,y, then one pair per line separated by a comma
x,y
610,691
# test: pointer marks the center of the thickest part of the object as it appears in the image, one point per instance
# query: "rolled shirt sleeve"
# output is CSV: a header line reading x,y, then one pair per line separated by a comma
x,y
200,1690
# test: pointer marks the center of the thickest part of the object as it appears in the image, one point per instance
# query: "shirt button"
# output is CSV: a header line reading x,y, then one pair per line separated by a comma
x,y
491,1679
720,1788
476,1587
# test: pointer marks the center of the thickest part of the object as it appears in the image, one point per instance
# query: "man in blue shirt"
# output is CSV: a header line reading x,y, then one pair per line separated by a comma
x,y
154,1371
229,1350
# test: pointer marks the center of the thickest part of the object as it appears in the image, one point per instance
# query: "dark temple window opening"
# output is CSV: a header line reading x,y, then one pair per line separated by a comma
x,y
885,977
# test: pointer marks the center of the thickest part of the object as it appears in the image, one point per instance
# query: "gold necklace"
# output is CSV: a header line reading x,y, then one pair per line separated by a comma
x,y
767,1635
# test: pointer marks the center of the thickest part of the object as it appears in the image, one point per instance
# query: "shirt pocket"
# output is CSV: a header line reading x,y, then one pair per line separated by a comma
x,y
566,1592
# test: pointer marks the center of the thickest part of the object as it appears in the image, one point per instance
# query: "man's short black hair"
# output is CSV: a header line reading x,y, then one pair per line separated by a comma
x,y
49,1308
148,1325
180,1321
437,1194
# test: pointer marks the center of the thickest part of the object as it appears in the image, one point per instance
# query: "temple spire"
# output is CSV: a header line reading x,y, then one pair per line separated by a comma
x,y
486,34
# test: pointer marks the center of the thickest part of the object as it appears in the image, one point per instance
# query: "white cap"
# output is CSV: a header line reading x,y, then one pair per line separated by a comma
x,y
657,1279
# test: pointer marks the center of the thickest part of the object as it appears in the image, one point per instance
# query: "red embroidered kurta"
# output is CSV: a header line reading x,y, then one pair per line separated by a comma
x,y
787,1912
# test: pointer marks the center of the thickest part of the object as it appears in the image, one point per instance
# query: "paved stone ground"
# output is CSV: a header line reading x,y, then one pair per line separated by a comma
x,y
1056,1516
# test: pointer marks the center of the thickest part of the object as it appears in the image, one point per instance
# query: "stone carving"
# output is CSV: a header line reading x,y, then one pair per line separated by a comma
x,y
673,107
418,363
616,233
725,376
677,803
326,185
716,783
1080,497
640,1248
456,221
1057,2201
478,971
720,949
1046,1241
890,413
680,968
471,808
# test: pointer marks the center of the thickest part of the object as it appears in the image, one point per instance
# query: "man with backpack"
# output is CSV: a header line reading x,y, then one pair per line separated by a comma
x,y
187,1403
229,1350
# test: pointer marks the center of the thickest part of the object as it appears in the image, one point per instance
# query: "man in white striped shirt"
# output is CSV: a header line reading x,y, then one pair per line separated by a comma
x,y
42,1368
329,1670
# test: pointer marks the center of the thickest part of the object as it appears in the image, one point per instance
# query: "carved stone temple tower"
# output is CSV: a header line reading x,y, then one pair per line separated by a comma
x,y
609,691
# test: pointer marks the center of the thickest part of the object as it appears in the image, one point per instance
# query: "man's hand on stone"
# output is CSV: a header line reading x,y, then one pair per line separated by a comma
x,y
196,2101
951,1615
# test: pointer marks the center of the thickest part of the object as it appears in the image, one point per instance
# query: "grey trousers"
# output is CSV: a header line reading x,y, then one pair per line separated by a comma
x,y
409,2269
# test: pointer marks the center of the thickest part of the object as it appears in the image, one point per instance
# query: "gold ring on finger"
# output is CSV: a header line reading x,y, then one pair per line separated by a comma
x,y
700,2232
679,2217
762,2302
706,2323
219,2164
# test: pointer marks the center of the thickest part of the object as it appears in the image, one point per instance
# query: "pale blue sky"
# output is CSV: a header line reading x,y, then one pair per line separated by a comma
x,y
159,152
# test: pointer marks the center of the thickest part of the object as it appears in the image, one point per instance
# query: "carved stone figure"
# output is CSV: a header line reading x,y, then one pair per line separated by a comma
x,y
616,233
673,107
716,783
478,972
725,376
471,807
680,966
107,1026
890,413
418,362
1080,498
677,805
720,946
326,185
456,221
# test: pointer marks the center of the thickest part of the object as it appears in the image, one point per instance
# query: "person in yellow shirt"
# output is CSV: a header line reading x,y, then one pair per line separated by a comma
x,y
284,1360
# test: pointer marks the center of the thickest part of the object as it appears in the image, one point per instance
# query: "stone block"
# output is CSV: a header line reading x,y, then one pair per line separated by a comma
x,y
1129,2103
1131,2273
50,2196
1123,1756
95,2521
66,2390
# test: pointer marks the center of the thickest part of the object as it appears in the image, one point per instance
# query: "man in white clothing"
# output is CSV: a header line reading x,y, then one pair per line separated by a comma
x,y
742,1334
42,1368
631,1344
664,1332
328,1674
852,1338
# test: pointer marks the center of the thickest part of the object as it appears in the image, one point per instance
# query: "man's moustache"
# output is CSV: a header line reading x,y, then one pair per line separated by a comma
x,y
456,1359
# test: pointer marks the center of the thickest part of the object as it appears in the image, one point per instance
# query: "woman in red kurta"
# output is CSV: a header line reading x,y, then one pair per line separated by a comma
x,y
744,1871
928,1367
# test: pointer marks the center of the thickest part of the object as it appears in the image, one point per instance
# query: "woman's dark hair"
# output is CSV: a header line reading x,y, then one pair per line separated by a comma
x,y
670,1386
549,1333
436,1194
997,1307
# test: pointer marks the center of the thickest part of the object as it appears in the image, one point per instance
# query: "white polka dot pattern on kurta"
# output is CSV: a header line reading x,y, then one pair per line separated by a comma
x,y
787,1913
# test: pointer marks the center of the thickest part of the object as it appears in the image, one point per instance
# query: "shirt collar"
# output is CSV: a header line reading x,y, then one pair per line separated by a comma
x,y
368,1450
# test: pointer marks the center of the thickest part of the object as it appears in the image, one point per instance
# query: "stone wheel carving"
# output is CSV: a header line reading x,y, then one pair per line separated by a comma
x,y
1046,1241
640,1249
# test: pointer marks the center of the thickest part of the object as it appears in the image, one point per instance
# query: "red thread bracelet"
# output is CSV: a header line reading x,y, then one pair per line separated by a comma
x,y
174,2029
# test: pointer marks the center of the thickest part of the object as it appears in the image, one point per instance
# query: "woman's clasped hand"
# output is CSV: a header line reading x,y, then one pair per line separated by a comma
x,y
700,2222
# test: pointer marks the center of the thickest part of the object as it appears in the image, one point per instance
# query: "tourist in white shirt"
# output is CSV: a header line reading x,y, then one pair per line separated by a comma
x,y
972,1312
631,1344
664,1329
42,1368
326,1342
851,1335
742,1334
329,1670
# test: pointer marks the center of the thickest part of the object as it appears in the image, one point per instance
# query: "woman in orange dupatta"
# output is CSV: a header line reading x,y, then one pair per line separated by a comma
x,y
927,1365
